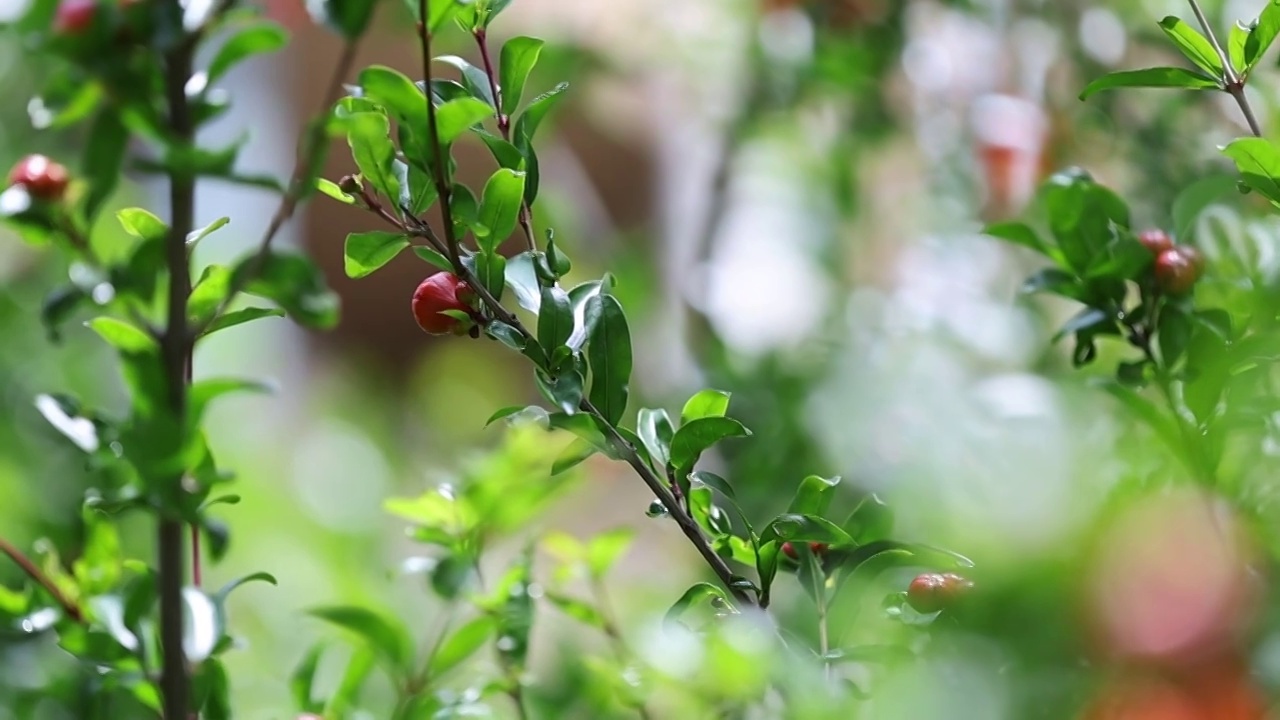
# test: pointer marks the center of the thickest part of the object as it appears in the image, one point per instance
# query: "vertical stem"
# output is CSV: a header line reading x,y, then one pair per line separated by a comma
x,y
1233,82
443,189
176,352
504,127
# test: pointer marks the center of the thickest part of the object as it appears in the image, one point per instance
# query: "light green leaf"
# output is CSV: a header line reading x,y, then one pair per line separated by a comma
x,y
1195,46
253,40
367,251
519,55
1151,78
500,207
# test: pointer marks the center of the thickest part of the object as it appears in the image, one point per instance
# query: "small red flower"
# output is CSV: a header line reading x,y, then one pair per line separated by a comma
x,y
436,294
43,178
1155,240
74,17
1177,270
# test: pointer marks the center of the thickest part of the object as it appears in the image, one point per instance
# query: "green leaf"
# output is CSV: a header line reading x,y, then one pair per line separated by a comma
x,y
491,272
253,40
1160,77
527,125
871,520
208,294
805,528
1237,38
577,609
1173,335
195,236
367,251
58,306
555,319
609,356
295,283
352,683
1195,46
474,80
714,482
1055,282
1198,196
433,257
503,152
563,388
349,18
330,188
1021,234
656,432
457,116
1083,215
386,637
417,189
124,337
369,135
693,438
814,495
704,404
500,207
1263,34
239,317
207,390
466,210
604,550
303,678
103,159
700,593
573,455
523,281
142,224
225,591
1259,164
519,55
397,93
462,644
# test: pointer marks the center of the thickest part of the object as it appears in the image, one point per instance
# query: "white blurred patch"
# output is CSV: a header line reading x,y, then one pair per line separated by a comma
x,y
341,477
1102,35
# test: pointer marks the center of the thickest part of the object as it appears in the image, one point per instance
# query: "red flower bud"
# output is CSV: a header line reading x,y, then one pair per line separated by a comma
x,y
436,294
43,178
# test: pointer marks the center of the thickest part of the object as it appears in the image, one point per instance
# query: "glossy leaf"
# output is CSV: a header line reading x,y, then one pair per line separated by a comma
x,y
704,404
367,251
609,356
1162,77
294,282
804,528
500,207
142,224
121,335
527,125
692,439
523,281
457,116
382,634
519,55
1259,163
656,432
572,456
462,644
239,317
397,93
555,318
1193,45
368,134
699,593
245,43
1263,34
871,520
814,495
208,294
491,272
473,79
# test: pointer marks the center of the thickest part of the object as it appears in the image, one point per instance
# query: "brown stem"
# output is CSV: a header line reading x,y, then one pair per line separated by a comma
x,y
36,574
504,127
1233,82
443,189
175,350
316,136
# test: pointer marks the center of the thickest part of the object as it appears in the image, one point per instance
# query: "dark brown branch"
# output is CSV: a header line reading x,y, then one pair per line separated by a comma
x,y
443,189
504,127
38,576
175,347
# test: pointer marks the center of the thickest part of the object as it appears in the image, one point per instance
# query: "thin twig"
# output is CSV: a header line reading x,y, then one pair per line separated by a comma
x,y
317,135
504,126
443,190
36,574
1234,83
629,454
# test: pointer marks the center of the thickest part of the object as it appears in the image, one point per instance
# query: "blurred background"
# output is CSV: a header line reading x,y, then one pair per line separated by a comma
x,y
790,193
